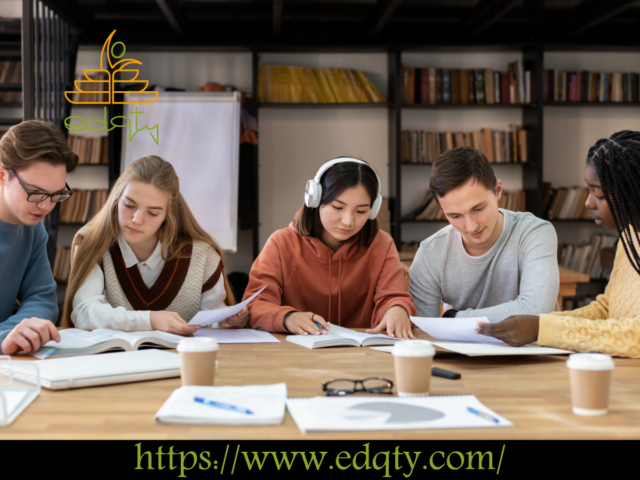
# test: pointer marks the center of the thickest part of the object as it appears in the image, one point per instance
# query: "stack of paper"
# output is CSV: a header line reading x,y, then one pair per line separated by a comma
x,y
249,405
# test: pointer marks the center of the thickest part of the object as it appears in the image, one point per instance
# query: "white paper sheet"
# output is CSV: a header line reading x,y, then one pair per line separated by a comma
x,y
76,338
208,317
390,413
457,329
237,335
486,349
267,402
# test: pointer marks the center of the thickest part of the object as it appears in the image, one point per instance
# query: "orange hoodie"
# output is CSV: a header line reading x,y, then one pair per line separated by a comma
x,y
348,288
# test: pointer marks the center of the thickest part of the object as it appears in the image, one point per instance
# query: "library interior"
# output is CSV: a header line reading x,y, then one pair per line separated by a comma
x,y
245,101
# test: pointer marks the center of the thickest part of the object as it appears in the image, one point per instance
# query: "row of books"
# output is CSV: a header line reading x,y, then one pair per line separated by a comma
x,y
287,84
90,149
82,206
498,146
616,87
62,264
565,203
585,257
11,72
429,209
95,89
479,86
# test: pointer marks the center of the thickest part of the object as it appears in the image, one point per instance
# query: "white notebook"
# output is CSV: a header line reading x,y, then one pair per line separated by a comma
x,y
391,413
248,405
237,335
89,371
341,337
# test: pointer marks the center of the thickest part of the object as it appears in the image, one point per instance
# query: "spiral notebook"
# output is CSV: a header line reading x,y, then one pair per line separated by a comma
x,y
318,414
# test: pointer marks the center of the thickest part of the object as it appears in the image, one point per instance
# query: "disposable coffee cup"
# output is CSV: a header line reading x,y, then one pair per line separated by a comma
x,y
412,360
590,375
198,360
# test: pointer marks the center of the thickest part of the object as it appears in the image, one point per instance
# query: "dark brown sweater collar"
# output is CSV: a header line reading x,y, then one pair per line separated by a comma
x,y
163,292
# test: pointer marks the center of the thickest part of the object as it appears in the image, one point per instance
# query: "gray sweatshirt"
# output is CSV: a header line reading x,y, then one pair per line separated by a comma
x,y
518,276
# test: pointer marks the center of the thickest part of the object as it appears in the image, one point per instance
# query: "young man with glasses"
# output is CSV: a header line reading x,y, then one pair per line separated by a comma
x,y
34,162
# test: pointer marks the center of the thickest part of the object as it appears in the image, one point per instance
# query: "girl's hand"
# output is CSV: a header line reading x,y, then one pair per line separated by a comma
x,y
517,330
239,320
302,324
171,322
396,322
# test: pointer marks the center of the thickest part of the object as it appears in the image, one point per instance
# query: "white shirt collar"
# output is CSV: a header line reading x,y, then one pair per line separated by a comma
x,y
130,258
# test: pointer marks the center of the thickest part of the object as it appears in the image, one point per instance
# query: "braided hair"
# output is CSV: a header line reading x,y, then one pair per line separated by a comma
x,y
617,163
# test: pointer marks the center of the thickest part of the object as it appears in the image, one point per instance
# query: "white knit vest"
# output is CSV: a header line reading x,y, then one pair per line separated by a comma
x,y
203,264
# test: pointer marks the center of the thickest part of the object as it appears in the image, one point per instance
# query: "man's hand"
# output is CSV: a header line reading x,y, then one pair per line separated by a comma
x,y
239,320
517,330
396,322
29,335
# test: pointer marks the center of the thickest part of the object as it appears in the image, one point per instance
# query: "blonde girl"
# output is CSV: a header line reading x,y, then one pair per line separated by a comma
x,y
143,262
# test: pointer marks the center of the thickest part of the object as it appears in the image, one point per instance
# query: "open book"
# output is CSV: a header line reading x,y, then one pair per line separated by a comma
x,y
341,337
74,341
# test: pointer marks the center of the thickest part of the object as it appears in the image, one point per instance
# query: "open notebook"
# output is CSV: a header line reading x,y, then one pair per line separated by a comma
x,y
341,337
74,341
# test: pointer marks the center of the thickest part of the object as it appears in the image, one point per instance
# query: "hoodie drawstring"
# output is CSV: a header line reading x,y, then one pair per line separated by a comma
x,y
329,289
339,287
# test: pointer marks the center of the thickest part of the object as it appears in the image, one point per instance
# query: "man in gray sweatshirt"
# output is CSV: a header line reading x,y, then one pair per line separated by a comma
x,y
489,262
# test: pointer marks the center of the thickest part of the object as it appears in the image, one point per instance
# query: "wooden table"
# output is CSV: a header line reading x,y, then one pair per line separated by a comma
x,y
569,280
532,392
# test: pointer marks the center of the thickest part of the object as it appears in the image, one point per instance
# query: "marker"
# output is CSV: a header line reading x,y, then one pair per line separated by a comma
x,y
486,416
441,372
225,406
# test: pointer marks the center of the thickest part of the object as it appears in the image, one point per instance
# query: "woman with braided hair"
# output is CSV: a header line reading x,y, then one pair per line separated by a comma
x,y
610,324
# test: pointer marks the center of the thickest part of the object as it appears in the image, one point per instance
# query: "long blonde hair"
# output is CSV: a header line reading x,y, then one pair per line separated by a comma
x,y
179,229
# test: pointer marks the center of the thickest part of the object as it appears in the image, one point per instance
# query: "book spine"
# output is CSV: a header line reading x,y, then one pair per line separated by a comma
x,y
439,95
472,86
424,86
479,78
417,85
496,87
446,86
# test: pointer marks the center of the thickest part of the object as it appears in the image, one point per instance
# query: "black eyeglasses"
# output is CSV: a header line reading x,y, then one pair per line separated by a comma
x,y
345,386
41,197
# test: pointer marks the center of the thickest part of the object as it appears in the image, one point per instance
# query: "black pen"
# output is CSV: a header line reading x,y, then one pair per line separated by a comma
x,y
441,372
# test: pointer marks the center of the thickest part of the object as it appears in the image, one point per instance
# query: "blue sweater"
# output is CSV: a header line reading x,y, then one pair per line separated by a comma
x,y
25,275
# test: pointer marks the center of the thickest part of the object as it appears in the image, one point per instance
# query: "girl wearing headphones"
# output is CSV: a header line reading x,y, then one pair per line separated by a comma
x,y
332,264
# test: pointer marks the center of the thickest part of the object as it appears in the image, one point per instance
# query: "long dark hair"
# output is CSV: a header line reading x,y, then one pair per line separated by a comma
x,y
334,181
617,163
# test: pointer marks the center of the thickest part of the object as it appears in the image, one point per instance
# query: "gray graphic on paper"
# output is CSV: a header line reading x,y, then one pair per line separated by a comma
x,y
396,412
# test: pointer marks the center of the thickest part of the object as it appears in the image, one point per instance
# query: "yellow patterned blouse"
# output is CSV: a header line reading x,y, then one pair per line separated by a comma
x,y
610,324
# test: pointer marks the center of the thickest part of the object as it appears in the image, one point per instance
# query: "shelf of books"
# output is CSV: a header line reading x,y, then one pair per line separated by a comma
x,y
281,86
442,105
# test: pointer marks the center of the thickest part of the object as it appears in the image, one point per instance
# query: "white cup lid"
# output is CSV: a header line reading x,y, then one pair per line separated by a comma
x,y
590,361
413,348
198,344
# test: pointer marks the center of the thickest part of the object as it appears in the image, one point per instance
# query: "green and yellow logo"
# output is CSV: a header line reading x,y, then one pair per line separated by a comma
x,y
100,86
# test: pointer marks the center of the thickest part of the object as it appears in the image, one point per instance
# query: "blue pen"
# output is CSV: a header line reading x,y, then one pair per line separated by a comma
x,y
486,416
225,406
318,324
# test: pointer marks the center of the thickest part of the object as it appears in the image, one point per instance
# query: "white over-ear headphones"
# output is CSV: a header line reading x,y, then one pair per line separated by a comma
x,y
313,191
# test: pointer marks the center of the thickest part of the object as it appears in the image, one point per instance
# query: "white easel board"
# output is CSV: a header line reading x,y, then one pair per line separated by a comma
x,y
199,134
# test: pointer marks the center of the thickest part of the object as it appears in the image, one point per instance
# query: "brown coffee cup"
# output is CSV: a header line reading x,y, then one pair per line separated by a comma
x,y
412,360
198,362
590,377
